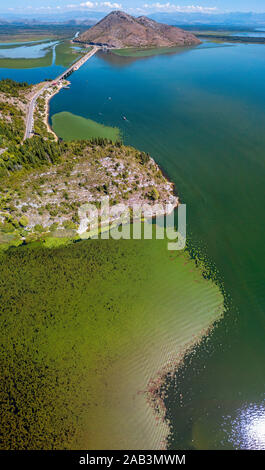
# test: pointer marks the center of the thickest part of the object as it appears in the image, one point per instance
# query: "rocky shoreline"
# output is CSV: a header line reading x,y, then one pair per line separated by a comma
x,y
42,108
49,200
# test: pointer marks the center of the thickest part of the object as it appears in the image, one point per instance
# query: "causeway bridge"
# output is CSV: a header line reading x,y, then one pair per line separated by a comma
x,y
32,104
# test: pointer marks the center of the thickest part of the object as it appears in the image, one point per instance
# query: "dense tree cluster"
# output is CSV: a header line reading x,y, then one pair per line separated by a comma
x,y
13,88
32,153
102,142
11,124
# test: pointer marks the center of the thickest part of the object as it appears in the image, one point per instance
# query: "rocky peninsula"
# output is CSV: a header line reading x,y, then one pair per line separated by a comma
x,y
45,181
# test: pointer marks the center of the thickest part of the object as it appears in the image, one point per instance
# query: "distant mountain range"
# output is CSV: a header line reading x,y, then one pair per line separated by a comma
x,y
69,17
241,19
236,18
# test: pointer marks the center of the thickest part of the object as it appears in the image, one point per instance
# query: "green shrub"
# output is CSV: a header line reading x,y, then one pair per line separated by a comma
x,y
54,227
153,194
7,227
39,228
143,158
23,221
68,224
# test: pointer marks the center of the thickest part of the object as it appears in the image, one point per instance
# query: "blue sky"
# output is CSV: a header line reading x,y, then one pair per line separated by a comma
x,y
132,6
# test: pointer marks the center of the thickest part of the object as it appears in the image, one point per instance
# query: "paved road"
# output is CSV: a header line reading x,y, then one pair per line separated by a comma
x,y
32,104
79,63
31,108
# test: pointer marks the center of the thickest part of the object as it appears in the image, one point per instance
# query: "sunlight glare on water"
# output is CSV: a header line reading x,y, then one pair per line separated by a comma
x,y
248,429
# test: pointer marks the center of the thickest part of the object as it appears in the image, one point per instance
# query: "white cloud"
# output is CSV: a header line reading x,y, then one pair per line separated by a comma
x,y
98,5
88,4
170,8
111,5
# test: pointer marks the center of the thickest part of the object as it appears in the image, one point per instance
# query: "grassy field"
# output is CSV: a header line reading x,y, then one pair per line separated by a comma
x,y
15,33
26,39
66,53
45,61
84,329
135,52
68,126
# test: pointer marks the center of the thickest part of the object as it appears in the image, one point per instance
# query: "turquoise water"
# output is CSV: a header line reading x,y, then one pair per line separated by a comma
x,y
201,115
250,34
31,50
34,75
26,50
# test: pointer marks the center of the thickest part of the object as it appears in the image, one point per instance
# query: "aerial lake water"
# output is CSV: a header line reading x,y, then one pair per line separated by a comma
x,y
200,114
250,34
26,50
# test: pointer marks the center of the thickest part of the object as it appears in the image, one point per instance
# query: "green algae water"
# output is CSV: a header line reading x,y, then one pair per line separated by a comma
x,y
71,127
88,331
201,116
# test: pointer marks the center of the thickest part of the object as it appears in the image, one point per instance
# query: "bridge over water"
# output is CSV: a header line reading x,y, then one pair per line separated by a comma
x,y
32,104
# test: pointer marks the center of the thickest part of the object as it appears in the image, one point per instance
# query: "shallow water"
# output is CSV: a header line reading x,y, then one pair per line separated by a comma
x,y
98,321
201,115
250,34
34,62
26,51
22,43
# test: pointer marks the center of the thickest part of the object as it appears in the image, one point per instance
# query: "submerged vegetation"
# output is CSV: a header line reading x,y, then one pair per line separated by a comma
x,y
68,126
77,321
148,51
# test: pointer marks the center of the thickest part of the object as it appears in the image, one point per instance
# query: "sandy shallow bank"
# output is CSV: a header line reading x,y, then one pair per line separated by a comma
x,y
100,322
130,411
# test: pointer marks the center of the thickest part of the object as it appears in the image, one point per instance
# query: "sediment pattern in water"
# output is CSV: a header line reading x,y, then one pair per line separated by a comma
x,y
87,330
